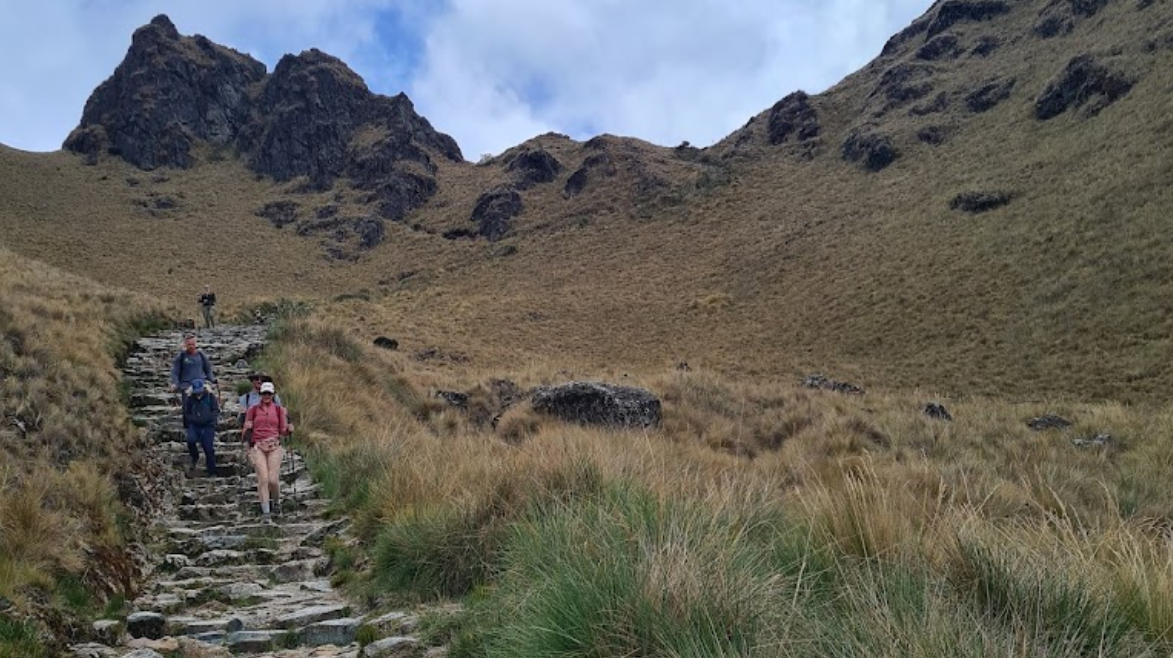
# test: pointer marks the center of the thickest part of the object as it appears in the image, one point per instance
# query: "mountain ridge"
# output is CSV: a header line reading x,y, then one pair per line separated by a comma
x,y
998,252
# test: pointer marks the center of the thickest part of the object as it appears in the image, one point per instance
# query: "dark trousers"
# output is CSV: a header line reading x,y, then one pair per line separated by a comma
x,y
198,437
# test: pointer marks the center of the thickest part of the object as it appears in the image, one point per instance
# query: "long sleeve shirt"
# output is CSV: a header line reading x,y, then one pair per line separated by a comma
x,y
189,367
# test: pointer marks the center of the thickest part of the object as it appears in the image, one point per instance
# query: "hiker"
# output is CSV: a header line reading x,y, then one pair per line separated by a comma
x,y
208,307
253,397
201,411
190,365
264,425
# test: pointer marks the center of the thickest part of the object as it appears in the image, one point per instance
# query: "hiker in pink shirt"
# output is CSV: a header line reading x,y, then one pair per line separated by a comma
x,y
264,425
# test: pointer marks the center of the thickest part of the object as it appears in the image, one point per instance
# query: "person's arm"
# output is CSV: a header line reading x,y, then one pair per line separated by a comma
x,y
208,370
249,417
175,366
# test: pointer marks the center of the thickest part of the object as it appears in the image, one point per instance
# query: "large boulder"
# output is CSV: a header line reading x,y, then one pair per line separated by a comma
x,y
597,403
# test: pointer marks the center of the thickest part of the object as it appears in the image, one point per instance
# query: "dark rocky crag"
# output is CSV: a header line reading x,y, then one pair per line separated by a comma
x,y
313,118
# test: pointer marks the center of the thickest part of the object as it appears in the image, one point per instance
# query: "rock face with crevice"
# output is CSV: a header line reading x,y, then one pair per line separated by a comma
x,y
223,582
312,120
1085,83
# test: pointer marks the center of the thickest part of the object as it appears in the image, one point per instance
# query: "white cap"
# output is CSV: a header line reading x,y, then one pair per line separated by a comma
x,y
267,387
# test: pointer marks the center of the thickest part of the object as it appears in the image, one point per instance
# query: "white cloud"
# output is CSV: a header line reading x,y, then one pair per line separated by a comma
x,y
496,73
490,73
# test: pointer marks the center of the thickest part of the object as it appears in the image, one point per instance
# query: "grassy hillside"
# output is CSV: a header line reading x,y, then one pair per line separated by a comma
x,y
755,260
762,520
65,445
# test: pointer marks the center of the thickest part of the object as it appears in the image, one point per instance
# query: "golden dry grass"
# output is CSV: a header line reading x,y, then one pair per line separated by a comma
x,y
64,431
982,504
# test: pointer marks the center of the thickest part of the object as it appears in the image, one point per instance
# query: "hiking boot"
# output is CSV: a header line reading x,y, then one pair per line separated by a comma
x,y
276,505
266,518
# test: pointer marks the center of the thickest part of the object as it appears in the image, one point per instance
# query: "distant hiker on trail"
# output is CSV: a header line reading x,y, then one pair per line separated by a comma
x,y
201,411
208,307
253,397
264,425
190,365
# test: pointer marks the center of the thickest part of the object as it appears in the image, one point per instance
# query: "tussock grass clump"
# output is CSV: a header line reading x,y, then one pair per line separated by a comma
x,y
761,519
65,433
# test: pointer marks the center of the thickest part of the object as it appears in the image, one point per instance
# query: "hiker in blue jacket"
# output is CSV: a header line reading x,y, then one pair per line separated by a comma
x,y
189,365
201,411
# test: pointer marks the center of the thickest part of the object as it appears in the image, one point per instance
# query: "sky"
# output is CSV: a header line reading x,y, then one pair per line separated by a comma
x,y
491,73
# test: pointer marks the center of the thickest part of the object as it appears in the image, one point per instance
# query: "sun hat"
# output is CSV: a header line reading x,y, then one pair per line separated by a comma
x,y
267,387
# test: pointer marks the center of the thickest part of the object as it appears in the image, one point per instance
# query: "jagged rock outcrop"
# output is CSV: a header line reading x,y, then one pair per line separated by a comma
x,y
952,12
794,117
533,166
870,148
495,210
594,166
1084,82
167,94
313,118
942,46
989,94
1060,16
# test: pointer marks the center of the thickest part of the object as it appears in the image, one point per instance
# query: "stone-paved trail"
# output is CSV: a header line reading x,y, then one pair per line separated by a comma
x,y
224,583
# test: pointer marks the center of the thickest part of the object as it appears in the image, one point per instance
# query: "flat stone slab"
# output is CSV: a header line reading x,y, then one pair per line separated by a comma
x,y
145,624
253,641
392,647
338,632
312,615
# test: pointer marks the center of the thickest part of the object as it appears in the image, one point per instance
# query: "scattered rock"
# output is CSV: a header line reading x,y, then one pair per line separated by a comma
x,y
1100,440
312,615
1083,82
979,202
903,83
495,210
534,166
143,653
943,46
253,641
453,399
327,211
986,45
872,149
990,94
399,192
392,647
280,213
107,631
597,403
952,12
826,384
933,135
386,343
338,632
793,116
145,624
1048,422
92,650
940,103
938,411
597,164
165,203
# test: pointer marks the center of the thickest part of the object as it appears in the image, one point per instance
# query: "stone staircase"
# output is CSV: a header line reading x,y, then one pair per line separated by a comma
x,y
224,583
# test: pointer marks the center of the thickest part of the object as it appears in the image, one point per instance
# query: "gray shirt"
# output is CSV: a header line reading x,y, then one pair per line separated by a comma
x,y
189,367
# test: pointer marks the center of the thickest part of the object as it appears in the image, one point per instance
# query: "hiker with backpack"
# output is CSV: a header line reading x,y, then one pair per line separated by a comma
x,y
253,397
264,425
189,365
208,307
201,412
